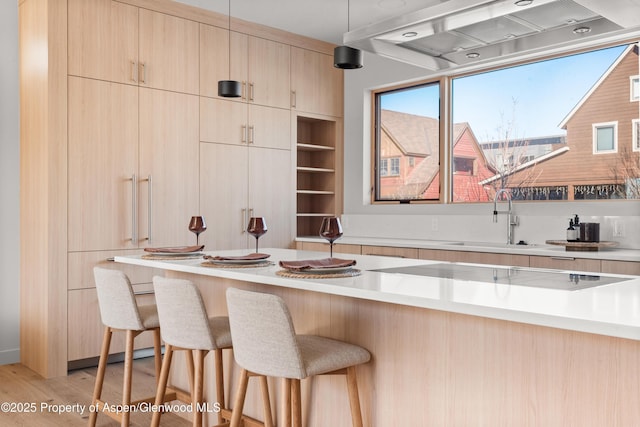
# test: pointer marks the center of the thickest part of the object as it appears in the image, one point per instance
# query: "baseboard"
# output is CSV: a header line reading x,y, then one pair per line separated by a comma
x,y
8,357
113,358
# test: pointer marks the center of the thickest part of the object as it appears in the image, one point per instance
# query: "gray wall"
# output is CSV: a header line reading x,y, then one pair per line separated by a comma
x,y
9,185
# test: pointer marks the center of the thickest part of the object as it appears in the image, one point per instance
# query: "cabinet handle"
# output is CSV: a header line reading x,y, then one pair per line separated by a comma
x,y
293,98
243,137
142,72
244,220
563,258
134,209
250,91
251,134
133,69
150,208
244,90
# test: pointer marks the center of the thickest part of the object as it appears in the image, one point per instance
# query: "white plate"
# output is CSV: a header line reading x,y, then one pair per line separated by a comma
x,y
174,253
236,261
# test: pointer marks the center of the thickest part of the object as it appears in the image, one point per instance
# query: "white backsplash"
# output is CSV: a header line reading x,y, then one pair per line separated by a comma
x,y
533,229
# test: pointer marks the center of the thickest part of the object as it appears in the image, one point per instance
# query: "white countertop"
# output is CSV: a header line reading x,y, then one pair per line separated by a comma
x,y
612,309
615,254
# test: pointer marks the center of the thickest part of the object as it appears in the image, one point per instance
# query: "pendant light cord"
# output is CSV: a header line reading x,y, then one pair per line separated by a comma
x,y
229,39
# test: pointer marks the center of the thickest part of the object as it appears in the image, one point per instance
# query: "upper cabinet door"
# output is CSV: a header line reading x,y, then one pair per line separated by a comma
x,y
169,52
269,73
214,58
103,158
316,84
103,40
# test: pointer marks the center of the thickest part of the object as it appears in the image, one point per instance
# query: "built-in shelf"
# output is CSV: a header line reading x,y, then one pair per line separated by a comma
x,y
317,142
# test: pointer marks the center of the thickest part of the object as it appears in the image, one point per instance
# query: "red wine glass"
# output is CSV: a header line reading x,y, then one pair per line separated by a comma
x,y
197,226
331,229
257,227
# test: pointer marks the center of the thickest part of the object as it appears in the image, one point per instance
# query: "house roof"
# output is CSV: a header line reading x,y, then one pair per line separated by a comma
x,y
528,164
414,135
563,123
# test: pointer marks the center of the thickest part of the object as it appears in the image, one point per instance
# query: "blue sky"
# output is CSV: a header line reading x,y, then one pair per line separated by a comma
x,y
529,100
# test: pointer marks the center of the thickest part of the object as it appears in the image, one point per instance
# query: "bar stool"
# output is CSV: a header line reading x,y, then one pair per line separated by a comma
x,y
265,343
120,312
185,326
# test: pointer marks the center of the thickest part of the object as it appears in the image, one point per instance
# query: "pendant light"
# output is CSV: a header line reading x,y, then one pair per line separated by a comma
x,y
229,88
346,57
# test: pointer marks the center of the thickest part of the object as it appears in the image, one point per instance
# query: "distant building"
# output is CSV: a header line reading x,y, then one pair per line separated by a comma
x,y
601,159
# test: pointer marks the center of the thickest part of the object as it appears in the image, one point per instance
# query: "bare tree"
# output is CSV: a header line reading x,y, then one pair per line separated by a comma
x,y
626,169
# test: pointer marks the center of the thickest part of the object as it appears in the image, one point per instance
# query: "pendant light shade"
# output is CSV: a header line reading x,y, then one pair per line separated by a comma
x,y
347,58
229,88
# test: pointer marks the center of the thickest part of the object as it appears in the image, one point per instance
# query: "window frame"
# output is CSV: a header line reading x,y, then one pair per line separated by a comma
x,y
635,134
633,96
602,125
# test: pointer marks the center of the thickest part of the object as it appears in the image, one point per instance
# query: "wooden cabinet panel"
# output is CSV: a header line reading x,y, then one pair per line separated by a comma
x,y
324,247
81,265
103,156
271,187
85,329
475,257
169,52
169,152
223,202
620,267
214,58
316,84
269,127
223,121
103,40
565,263
390,251
269,73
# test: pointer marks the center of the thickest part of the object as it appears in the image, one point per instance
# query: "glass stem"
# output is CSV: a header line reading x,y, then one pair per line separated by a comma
x,y
331,250
256,245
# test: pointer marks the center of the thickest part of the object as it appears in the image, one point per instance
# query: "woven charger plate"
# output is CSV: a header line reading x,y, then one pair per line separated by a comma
x,y
171,257
349,273
214,264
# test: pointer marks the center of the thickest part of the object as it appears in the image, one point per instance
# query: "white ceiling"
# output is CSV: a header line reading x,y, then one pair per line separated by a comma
x,y
319,19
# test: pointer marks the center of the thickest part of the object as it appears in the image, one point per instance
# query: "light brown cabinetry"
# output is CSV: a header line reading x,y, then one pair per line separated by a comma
x,y
316,85
390,251
318,171
620,267
565,263
112,41
239,182
324,247
475,257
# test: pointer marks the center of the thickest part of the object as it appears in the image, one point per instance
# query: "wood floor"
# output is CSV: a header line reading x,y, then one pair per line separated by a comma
x,y
29,398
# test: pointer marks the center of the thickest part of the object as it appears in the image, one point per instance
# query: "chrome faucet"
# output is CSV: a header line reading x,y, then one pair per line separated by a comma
x,y
512,220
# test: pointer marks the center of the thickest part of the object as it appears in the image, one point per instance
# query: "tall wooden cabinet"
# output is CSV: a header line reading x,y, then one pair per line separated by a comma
x,y
123,138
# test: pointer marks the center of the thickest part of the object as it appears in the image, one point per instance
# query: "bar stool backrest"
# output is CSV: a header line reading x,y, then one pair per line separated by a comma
x,y
264,339
118,307
183,317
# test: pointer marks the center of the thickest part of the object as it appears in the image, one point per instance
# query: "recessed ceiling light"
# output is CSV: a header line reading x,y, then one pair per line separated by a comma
x,y
409,34
523,2
472,55
582,30
571,21
509,36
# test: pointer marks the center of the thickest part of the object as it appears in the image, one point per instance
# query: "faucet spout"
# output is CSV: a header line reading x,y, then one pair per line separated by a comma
x,y
511,219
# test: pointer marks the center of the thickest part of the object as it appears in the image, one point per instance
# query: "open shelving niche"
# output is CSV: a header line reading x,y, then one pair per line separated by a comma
x,y
318,173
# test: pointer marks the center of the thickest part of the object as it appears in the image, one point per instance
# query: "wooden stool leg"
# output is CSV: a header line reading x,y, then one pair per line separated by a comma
x,y
198,385
286,402
296,403
266,402
162,383
238,405
354,399
190,371
157,352
102,367
128,371
219,382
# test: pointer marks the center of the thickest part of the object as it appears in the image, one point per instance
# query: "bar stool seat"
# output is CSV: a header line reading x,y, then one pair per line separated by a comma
x,y
265,344
186,326
119,311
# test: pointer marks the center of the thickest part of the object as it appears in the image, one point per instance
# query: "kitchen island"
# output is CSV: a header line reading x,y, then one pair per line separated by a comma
x,y
451,351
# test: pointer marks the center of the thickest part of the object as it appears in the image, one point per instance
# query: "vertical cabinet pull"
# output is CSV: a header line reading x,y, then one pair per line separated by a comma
x,y
133,70
142,72
293,98
150,208
243,136
134,209
243,211
251,134
244,90
250,91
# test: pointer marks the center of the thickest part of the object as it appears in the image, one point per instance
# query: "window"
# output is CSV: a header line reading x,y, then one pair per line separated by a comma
x,y
529,128
408,129
605,137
